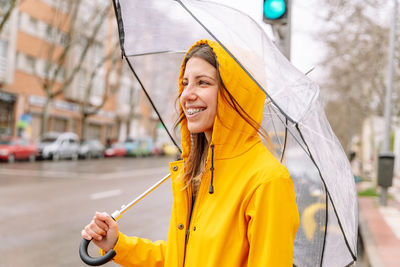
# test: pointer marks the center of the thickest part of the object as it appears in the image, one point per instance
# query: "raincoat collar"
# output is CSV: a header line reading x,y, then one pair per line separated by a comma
x,y
232,135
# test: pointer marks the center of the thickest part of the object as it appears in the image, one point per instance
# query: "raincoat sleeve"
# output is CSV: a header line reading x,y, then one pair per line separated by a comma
x,y
139,252
273,221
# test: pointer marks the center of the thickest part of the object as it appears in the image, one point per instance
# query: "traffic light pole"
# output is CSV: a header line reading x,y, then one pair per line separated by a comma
x,y
282,33
385,178
389,78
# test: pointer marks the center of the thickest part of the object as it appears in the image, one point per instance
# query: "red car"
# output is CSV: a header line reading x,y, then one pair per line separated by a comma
x,y
13,148
116,150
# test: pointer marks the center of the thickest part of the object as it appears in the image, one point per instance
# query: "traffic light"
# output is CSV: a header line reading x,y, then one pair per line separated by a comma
x,y
275,11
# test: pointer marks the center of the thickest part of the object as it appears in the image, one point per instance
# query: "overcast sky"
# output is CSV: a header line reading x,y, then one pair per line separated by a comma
x,y
306,52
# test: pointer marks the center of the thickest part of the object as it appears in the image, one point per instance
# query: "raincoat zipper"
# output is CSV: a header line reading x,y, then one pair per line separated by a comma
x,y
191,210
188,219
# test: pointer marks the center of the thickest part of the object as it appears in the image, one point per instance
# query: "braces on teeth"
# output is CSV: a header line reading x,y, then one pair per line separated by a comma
x,y
193,111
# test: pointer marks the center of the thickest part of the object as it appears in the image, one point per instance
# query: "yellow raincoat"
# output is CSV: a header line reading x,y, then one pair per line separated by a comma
x,y
251,218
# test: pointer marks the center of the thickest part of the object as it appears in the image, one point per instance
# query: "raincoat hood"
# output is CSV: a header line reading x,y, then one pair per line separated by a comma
x,y
232,135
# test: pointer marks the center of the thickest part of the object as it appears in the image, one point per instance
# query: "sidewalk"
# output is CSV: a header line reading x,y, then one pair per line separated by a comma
x,y
379,228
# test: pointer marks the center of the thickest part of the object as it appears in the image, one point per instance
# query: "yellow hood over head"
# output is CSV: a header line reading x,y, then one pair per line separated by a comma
x,y
232,135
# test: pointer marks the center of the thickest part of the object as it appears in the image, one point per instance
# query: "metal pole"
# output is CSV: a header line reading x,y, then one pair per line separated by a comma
x,y
282,32
288,33
388,96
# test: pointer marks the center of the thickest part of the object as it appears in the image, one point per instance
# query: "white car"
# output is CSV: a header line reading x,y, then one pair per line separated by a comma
x,y
56,146
91,149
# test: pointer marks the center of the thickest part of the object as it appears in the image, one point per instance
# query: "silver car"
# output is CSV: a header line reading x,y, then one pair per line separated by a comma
x,y
57,146
91,149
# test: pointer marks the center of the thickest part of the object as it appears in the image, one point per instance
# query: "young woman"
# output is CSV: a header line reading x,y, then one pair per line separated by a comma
x,y
234,203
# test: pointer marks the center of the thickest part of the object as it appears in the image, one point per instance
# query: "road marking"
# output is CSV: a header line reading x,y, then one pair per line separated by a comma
x,y
105,194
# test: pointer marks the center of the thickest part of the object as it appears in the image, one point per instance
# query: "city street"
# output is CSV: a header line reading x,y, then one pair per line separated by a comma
x,y
44,205
93,92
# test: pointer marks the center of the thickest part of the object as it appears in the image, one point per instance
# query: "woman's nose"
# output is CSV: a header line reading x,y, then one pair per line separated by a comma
x,y
188,95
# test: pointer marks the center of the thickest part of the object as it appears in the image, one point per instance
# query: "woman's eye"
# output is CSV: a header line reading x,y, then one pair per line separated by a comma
x,y
203,82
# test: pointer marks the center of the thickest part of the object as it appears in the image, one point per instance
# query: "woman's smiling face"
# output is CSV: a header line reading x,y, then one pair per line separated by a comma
x,y
199,96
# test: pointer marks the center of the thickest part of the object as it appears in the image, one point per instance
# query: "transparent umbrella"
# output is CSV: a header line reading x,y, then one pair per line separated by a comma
x,y
154,36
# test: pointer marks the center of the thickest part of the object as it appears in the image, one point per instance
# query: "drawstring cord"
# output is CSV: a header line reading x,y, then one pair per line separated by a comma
x,y
211,191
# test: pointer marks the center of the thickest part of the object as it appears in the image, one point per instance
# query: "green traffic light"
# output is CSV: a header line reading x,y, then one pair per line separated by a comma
x,y
274,9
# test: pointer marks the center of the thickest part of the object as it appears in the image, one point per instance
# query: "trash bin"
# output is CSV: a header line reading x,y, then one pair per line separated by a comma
x,y
385,169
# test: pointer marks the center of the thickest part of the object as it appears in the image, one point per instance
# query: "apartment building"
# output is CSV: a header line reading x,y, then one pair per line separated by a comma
x,y
7,61
30,46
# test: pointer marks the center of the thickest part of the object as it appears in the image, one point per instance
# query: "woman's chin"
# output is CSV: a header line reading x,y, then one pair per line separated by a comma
x,y
196,129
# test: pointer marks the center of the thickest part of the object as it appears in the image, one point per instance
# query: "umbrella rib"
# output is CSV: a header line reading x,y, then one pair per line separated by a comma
x,y
326,192
122,39
156,52
152,104
292,134
285,141
121,33
329,195
283,146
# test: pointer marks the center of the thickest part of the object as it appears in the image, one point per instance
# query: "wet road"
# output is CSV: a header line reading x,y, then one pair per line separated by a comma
x,y
44,205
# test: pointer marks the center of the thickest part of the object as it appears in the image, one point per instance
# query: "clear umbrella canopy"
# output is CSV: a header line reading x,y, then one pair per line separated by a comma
x,y
154,37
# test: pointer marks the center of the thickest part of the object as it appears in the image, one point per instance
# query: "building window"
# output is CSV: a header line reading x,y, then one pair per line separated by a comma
x,y
6,118
49,32
59,125
54,35
3,59
93,131
62,5
30,63
33,25
25,63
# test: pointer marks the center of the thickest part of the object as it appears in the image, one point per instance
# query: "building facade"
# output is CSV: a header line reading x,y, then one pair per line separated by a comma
x,y
32,47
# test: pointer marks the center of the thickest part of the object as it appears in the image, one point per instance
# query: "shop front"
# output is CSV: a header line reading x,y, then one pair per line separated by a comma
x,y
7,103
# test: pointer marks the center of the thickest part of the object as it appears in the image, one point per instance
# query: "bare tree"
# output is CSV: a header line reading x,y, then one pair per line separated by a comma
x,y
76,27
6,8
356,42
87,108
131,113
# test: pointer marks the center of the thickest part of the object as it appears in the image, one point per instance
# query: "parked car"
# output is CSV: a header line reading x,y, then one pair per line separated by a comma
x,y
131,146
157,148
139,147
15,148
116,150
170,150
57,146
145,147
91,149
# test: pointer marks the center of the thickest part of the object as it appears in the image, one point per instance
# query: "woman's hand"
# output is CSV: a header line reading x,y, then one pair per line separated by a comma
x,y
103,230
